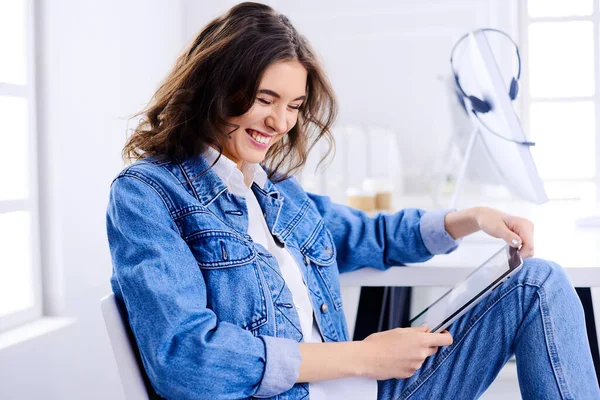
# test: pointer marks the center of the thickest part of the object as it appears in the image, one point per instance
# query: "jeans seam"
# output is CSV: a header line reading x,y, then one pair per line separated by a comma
x,y
551,346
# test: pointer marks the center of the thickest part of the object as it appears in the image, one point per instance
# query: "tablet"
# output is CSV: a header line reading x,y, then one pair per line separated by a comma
x,y
467,293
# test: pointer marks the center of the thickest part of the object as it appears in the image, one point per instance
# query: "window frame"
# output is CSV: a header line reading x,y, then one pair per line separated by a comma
x,y
528,100
31,204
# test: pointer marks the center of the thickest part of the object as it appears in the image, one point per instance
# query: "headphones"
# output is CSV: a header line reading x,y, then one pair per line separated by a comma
x,y
479,106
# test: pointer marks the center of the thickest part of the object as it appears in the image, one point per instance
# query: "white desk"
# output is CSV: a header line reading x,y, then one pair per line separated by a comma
x,y
582,266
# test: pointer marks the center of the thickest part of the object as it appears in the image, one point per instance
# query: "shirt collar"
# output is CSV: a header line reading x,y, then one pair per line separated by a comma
x,y
228,171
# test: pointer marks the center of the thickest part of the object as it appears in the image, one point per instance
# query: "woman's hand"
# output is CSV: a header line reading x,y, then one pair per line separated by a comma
x,y
513,230
400,352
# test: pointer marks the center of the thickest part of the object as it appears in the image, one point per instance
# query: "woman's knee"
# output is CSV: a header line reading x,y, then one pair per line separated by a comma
x,y
538,271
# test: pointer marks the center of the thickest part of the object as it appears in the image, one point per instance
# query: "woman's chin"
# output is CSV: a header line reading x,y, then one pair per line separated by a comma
x,y
255,155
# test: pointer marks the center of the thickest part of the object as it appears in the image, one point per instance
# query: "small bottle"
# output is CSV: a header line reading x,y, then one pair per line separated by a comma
x,y
383,192
361,199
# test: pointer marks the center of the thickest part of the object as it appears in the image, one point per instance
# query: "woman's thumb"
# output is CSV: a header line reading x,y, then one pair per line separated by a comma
x,y
512,238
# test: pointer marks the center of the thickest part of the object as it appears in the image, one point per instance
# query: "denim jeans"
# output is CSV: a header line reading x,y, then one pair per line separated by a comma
x,y
537,316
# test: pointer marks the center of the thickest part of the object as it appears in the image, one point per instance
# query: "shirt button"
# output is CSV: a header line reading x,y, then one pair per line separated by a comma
x,y
265,215
298,308
324,308
306,260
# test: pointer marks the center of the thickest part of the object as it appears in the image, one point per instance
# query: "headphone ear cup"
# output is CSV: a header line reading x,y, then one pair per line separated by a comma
x,y
513,92
480,106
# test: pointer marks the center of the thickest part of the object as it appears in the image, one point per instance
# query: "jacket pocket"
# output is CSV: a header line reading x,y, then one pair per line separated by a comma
x,y
219,249
234,290
319,246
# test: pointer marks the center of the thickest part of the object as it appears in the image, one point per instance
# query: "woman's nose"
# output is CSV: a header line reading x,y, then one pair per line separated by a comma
x,y
277,121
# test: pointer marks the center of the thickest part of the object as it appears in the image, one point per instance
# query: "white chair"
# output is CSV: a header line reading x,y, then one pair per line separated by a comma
x,y
132,376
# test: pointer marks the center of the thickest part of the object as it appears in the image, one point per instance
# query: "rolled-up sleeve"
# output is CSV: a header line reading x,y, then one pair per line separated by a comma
x,y
186,352
434,234
282,366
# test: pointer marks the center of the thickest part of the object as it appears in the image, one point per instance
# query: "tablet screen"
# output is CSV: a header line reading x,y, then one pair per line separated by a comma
x,y
469,290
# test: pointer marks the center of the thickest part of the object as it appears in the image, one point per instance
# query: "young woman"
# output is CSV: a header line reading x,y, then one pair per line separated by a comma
x,y
229,271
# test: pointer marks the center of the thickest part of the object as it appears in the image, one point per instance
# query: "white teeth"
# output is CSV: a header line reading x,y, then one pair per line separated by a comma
x,y
259,138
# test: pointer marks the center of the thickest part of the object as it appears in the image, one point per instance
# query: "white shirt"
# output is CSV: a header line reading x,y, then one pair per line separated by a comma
x,y
239,184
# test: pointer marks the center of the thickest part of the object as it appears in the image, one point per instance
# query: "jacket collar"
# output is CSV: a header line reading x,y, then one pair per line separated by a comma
x,y
208,188
207,185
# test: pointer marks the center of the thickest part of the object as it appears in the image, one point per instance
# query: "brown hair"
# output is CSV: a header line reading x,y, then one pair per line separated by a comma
x,y
217,77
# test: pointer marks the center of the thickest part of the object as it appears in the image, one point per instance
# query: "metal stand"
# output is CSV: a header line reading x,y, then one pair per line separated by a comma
x,y
460,179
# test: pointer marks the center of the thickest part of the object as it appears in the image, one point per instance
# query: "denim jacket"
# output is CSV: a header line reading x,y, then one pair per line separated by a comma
x,y
208,307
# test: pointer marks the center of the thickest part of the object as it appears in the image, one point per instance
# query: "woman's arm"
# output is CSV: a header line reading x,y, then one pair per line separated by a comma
x,y
184,348
462,222
516,231
410,235
396,353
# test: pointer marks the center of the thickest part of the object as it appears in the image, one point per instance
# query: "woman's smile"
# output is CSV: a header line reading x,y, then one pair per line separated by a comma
x,y
259,139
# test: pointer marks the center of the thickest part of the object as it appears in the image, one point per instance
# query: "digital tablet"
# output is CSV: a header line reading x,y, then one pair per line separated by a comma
x,y
470,291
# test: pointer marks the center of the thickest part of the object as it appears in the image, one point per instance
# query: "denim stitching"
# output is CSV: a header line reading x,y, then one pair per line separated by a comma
x,y
551,346
262,293
312,238
295,221
188,182
328,241
142,178
214,233
276,299
292,324
336,301
189,210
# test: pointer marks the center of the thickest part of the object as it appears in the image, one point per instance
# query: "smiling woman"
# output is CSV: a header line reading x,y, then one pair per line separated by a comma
x,y
248,71
271,117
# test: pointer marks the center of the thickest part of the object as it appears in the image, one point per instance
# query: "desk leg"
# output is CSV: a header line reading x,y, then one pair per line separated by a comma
x,y
585,295
381,309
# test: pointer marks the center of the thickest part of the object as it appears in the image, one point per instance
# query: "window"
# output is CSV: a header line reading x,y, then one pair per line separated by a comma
x,y
20,281
562,101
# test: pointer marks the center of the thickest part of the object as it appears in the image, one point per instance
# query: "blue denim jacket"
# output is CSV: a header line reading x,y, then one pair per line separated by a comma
x,y
209,309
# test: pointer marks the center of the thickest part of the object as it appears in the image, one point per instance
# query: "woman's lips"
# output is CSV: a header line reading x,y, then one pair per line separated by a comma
x,y
259,139
259,132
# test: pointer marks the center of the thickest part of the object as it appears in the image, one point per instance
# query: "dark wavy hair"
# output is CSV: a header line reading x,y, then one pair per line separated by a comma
x,y
217,77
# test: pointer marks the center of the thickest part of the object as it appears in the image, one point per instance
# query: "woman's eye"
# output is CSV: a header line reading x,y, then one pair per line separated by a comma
x,y
264,101
295,107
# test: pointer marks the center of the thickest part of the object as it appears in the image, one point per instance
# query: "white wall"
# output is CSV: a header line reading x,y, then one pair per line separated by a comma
x,y
99,62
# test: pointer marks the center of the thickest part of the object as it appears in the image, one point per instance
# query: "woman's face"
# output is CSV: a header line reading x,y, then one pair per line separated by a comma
x,y
274,112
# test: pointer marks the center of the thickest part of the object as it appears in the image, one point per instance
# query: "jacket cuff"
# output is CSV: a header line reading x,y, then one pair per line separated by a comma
x,y
434,234
282,366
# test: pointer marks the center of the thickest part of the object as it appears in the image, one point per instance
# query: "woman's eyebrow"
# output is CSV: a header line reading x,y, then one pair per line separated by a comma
x,y
276,95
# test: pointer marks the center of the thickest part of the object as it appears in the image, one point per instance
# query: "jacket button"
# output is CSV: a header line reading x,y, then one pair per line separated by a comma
x,y
324,308
328,250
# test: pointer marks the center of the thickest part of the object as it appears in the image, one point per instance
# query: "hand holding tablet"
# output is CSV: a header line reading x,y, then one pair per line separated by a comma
x,y
467,293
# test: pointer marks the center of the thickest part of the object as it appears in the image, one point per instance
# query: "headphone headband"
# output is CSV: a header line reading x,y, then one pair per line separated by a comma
x,y
483,106
479,106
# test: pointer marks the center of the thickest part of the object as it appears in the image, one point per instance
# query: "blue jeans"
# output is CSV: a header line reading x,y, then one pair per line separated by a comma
x,y
537,316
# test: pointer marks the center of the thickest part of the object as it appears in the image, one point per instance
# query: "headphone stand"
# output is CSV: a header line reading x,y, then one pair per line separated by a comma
x,y
460,179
